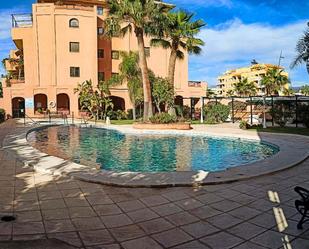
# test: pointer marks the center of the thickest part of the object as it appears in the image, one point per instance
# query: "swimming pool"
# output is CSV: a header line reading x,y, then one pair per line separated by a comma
x,y
119,152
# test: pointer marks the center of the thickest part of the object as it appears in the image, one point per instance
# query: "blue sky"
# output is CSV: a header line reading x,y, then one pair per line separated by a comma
x,y
237,31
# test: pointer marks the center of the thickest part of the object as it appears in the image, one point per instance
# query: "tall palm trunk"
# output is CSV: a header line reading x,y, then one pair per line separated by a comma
x,y
145,74
134,111
172,66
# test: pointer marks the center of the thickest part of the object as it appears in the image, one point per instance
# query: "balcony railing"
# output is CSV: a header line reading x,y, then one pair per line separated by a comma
x,y
22,20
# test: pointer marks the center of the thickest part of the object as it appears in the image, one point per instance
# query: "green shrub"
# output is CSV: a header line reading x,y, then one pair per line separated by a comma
x,y
163,118
216,113
280,115
303,114
2,115
117,115
243,125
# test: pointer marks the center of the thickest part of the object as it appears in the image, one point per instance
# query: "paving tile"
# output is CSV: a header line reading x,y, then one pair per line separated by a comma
x,y
249,245
172,237
166,209
263,205
67,185
224,221
155,200
244,213
6,228
128,206
111,246
141,243
272,239
76,202
52,204
156,225
89,223
96,237
182,218
58,226
209,198
188,204
116,220
127,232
192,245
264,220
142,215
99,199
120,197
222,240
175,195
110,209
55,214
299,243
71,238
205,212
26,206
26,237
80,212
49,195
26,216
69,193
28,228
246,230
199,229
225,205
243,199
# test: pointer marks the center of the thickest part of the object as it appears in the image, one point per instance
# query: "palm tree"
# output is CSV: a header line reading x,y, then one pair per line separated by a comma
x,y
305,90
288,92
274,81
177,32
136,15
302,49
245,88
130,72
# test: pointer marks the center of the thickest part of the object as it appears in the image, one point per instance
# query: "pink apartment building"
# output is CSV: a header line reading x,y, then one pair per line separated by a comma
x,y
60,45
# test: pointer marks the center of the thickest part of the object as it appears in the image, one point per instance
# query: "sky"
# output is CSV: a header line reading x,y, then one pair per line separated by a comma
x,y
237,32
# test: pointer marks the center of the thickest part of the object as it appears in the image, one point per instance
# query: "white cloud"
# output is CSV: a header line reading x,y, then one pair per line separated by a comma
x,y
234,44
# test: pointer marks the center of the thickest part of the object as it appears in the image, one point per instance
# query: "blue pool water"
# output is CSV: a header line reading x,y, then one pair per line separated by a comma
x,y
112,150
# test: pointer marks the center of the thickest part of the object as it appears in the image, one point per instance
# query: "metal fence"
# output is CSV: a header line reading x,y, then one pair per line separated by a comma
x,y
294,108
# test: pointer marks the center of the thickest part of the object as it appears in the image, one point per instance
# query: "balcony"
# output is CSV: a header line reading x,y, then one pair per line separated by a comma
x,y
22,20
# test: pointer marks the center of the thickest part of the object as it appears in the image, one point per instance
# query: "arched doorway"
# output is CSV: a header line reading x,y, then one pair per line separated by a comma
x,y
18,107
179,100
63,103
119,103
40,102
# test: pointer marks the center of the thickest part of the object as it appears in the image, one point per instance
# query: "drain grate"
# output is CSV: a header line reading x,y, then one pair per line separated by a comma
x,y
8,218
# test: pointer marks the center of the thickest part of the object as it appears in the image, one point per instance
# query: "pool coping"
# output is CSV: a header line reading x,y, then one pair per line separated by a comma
x,y
293,151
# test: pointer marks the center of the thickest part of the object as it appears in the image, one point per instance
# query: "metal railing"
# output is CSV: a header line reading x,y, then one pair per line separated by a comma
x,y
22,20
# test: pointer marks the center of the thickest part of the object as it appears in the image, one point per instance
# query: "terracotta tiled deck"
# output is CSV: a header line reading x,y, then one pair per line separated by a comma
x,y
251,214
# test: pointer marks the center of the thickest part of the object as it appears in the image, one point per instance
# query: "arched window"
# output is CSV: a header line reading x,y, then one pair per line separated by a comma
x,y
74,23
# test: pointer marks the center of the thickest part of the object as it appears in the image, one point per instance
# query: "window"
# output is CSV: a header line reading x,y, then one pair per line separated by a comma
x,y
74,71
100,31
147,51
101,76
101,53
74,23
100,11
74,47
115,55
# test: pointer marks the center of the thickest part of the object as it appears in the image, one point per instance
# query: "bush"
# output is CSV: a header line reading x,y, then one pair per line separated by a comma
x,y
215,114
163,118
243,125
117,115
2,115
280,115
303,112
